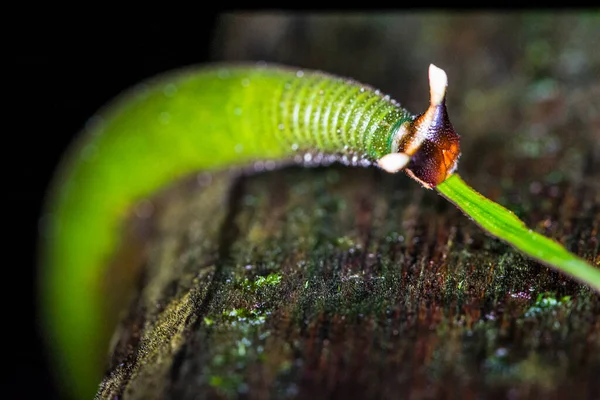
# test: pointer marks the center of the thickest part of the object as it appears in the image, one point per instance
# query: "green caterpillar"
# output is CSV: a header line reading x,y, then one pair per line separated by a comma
x,y
206,119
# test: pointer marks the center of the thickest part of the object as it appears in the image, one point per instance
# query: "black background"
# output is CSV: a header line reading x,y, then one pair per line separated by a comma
x,y
61,70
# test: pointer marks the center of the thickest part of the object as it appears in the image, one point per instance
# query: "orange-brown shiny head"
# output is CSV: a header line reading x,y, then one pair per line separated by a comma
x,y
431,141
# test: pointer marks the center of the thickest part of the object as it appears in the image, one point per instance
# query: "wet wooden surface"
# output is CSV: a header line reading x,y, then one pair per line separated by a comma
x,y
351,283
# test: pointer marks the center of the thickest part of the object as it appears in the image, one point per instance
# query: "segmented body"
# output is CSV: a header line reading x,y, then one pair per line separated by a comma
x,y
201,119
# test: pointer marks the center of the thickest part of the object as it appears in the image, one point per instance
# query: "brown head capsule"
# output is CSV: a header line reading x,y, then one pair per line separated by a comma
x,y
430,140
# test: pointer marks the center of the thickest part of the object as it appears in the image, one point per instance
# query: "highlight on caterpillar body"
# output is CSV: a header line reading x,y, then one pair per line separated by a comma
x,y
207,119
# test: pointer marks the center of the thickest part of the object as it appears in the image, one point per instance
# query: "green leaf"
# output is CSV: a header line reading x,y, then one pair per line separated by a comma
x,y
503,224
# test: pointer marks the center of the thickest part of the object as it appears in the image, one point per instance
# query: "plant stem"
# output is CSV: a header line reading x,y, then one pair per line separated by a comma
x,y
504,224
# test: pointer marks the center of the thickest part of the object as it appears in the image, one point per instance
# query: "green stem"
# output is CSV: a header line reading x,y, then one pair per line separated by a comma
x,y
503,224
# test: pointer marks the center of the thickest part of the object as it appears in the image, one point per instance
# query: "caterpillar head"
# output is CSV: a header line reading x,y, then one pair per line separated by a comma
x,y
428,145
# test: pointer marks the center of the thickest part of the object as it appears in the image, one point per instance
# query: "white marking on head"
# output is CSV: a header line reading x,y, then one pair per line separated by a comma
x,y
393,162
438,81
423,183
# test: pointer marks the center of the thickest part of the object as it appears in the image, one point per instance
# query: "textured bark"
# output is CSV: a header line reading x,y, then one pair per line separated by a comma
x,y
342,282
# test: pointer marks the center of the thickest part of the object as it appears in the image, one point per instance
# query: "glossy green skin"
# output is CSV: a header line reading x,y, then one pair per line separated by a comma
x,y
169,127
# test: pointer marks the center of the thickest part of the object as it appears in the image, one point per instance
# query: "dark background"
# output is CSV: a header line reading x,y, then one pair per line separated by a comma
x,y
63,70
508,72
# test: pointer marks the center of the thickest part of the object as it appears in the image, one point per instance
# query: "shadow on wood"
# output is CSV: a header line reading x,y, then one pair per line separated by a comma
x,y
341,282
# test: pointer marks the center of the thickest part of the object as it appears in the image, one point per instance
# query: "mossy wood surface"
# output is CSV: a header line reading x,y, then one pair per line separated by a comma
x,y
350,281
346,282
